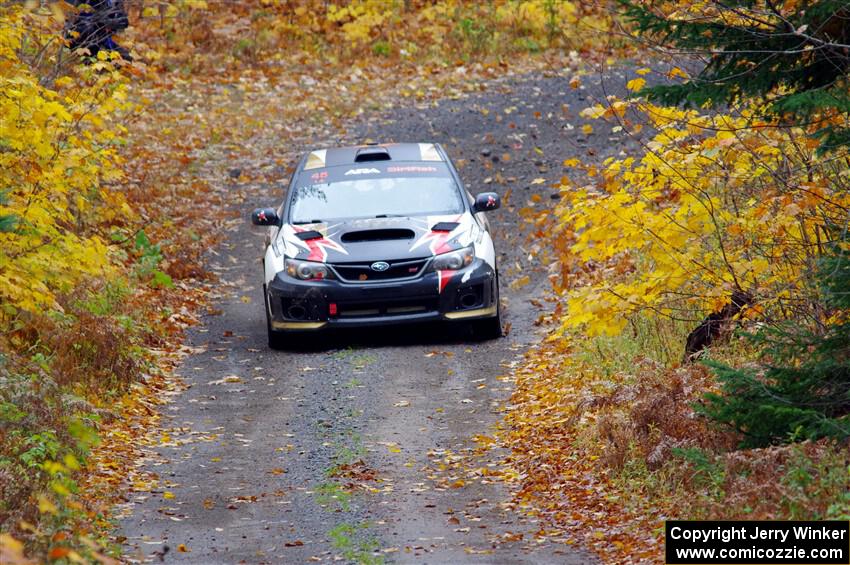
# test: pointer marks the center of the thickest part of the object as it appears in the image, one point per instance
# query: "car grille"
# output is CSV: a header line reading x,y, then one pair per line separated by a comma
x,y
369,309
362,272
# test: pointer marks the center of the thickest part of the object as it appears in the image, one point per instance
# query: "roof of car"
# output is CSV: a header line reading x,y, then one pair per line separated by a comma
x,y
337,156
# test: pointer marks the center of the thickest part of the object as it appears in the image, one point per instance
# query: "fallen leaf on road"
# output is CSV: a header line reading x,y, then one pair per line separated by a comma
x,y
227,379
296,543
520,282
402,403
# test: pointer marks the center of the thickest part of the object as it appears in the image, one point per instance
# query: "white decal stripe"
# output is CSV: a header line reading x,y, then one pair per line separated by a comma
x,y
316,159
428,152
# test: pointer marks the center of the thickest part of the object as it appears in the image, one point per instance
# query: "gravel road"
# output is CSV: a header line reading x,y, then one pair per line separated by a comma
x,y
321,455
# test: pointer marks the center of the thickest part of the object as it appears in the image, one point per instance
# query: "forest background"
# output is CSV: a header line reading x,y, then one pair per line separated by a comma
x,y
736,206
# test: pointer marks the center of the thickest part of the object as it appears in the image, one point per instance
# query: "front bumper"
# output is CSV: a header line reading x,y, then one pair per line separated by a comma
x,y
467,294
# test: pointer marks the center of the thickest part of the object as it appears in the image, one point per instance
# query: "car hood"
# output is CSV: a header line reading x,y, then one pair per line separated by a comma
x,y
378,239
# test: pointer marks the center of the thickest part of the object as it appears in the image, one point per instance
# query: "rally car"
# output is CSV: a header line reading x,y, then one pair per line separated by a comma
x,y
378,234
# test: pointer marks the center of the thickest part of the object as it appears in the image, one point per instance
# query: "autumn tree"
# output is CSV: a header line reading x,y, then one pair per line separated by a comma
x,y
792,56
802,393
58,150
786,63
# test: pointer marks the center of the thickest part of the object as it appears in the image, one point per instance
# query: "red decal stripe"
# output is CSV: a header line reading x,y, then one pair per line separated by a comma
x,y
443,278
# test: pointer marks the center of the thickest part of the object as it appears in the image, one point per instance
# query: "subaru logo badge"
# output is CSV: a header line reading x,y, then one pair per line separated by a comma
x,y
380,266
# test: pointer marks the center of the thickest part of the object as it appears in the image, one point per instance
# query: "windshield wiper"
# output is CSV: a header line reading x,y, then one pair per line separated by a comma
x,y
307,222
390,216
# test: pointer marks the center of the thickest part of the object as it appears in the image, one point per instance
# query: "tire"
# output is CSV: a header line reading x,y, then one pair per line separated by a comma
x,y
490,328
276,339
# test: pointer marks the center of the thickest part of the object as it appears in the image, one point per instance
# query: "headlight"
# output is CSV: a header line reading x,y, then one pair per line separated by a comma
x,y
307,270
454,260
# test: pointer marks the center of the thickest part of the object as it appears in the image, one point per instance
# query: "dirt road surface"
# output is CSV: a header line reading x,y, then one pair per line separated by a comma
x,y
323,454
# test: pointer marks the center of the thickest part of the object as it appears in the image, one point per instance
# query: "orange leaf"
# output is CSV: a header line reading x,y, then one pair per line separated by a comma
x,y
58,553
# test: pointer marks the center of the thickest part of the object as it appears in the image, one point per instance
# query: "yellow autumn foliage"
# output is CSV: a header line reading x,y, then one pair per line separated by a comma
x,y
531,18
717,203
419,28
57,156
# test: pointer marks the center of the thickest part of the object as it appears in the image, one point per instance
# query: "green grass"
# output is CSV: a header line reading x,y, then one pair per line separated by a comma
x,y
358,360
330,493
348,450
345,539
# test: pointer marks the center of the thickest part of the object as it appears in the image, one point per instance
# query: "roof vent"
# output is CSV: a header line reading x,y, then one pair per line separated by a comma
x,y
372,154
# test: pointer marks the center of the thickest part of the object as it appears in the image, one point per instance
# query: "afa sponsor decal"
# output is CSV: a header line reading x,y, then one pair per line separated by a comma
x,y
319,177
362,172
412,169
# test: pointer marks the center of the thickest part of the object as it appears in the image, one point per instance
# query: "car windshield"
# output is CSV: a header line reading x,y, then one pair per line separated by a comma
x,y
375,197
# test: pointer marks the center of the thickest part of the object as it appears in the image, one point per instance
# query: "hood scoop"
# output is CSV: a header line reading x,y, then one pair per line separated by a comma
x,y
444,226
308,235
377,235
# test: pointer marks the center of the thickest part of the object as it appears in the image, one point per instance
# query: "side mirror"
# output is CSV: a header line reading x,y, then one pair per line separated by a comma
x,y
486,201
265,217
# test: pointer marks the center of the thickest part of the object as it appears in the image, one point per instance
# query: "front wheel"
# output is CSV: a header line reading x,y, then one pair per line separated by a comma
x,y
490,328
276,339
